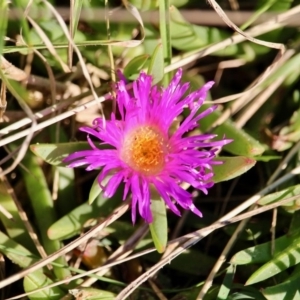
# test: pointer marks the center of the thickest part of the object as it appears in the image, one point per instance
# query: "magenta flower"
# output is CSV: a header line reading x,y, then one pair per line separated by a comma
x,y
147,152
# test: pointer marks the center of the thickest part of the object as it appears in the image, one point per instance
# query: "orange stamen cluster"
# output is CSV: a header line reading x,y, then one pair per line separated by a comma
x,y
144,150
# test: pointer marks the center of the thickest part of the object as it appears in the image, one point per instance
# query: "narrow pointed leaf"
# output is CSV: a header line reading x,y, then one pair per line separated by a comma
x,y
263,253
227,283
71,224
159,226
66,189
232,167
55,153
24,258
43,206
38,280
243,143
96,189
288,290
133,68
17,253
183,34
281,261
281,195
156,65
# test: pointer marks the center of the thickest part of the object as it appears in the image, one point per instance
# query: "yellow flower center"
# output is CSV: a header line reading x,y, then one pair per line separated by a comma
x,y
144,150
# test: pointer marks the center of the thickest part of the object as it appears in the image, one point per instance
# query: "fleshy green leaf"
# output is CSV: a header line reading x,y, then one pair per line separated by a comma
x,y
38,280
295,223
15,252
262,253
232,167
183,34
283,194
71,224
245,293
133,68
267,158
243,144
288,290
24,258
227,282
55,153
156,65
290,256
159,226
94,191
66,189
43,206
96,188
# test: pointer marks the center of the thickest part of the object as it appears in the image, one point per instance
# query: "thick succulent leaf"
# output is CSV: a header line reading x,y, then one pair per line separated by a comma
x,y
288,257
66,189
232,167
159,226
55,153
43,207
95,191
24,258
295,224
36,280
227,283
263,253
281,195
16,252
133,68
243,144
156,64
267,158
183,35
71,224
245,293
288,290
